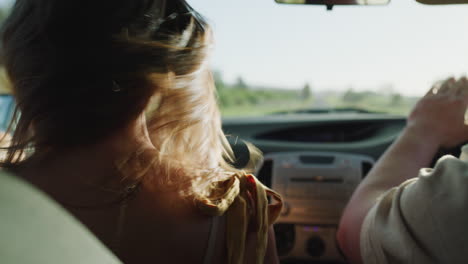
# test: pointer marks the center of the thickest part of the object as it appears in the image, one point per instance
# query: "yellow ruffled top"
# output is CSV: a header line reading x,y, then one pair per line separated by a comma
x,y
244,200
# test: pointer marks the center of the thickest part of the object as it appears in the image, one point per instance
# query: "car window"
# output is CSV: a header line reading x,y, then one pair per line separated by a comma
x,y
6,100
6,111
279,58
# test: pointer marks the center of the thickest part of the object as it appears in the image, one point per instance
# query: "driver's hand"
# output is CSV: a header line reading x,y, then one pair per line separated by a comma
x,y
439,117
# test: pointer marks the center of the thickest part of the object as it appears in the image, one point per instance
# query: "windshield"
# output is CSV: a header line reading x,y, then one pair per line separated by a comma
x,y
276,59
273,58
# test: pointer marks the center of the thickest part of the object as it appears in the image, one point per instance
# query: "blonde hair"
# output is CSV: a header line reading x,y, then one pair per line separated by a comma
x,y
158,64
186,130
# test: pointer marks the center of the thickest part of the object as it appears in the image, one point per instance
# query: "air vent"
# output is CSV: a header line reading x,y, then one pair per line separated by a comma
x,y
317,160
265,172
365,168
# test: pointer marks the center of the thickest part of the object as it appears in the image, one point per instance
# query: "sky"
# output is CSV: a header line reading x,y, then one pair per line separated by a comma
x,y
5,2
405,46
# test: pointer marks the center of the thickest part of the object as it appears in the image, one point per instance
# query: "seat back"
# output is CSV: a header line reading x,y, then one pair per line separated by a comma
x,y
35,229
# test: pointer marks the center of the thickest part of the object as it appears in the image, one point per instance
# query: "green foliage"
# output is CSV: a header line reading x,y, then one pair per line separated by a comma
x,y
230,96
240,84
218,79
241,99
306,93
373,101
4,12
396,100
350,96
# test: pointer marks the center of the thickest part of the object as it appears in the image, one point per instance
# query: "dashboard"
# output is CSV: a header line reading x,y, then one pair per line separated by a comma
x,y
354,133
315,161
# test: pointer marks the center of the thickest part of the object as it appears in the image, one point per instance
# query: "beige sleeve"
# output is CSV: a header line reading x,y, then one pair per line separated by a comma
x,y
423,220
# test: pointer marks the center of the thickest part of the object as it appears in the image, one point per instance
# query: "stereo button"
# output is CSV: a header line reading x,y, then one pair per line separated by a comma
x,y
315,247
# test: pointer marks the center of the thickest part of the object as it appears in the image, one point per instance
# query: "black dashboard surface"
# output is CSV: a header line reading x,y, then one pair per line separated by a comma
x,y
365,134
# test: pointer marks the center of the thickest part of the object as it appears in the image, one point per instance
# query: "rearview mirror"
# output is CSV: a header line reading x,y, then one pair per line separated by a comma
x,y
331,3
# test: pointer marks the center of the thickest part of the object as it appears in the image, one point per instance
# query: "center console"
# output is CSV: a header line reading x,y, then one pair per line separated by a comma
x,y
315,187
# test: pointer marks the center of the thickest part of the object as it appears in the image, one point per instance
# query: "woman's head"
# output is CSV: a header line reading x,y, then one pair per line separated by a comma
x,y
82,70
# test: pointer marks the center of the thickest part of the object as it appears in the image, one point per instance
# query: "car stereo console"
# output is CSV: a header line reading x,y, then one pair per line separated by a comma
x,y
315,187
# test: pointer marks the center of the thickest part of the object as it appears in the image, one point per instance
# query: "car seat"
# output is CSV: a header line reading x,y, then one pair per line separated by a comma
x,y
35,229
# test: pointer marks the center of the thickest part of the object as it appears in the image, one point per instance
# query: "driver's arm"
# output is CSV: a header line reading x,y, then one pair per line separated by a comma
x,y
437,121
